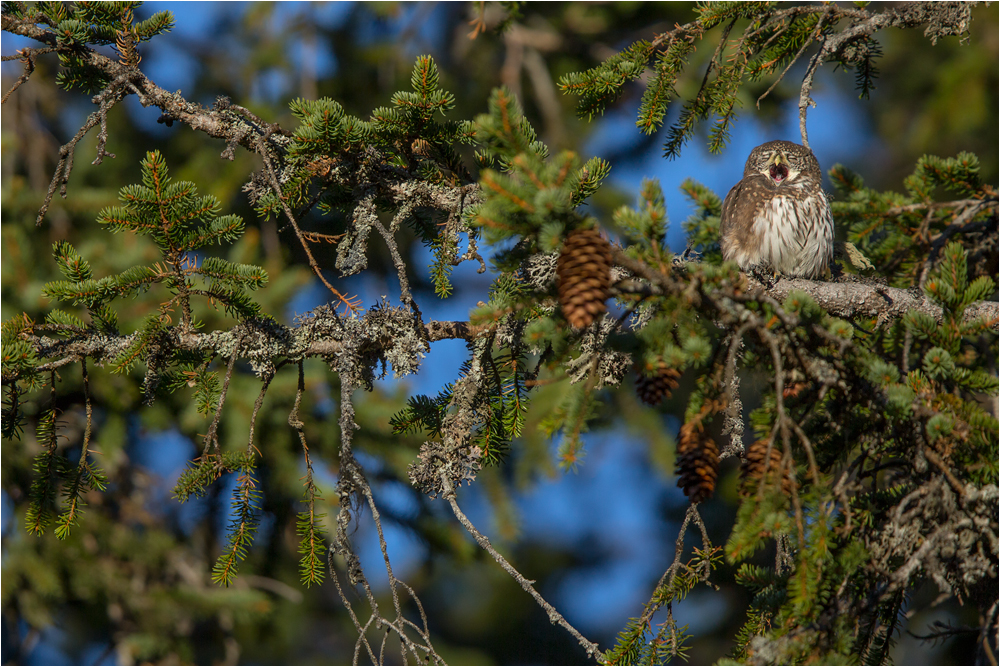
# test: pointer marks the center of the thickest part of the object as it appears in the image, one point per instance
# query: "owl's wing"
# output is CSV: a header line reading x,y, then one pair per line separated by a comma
x,y
737,220
739,211
729,208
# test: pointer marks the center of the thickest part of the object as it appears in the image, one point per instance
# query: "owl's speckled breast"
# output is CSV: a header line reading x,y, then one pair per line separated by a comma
x,y
790,240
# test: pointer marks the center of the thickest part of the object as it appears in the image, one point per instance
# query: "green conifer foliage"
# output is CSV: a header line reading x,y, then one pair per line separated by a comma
x,y
874,456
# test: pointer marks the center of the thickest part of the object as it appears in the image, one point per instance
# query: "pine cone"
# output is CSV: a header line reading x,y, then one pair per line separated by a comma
x,y
752,470
697,463
584,274
655,384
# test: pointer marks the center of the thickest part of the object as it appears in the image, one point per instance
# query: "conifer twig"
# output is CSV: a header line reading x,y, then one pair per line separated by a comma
x,y
27,56
89,407
266,382
210,436
65,165
276,187
404,284
362,639
554,616
794,60
805,92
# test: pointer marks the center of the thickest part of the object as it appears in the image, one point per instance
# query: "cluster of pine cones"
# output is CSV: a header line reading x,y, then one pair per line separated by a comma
x,y
584,281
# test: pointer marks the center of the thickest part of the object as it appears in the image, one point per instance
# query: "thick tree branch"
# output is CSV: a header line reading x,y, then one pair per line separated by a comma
x,y
264,338
842,299
856,299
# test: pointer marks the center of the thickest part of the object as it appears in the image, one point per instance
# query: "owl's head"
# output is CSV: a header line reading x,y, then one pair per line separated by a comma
x,y
782,162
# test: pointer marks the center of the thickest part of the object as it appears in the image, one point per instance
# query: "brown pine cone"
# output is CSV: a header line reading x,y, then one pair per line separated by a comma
x,y
584,275
752,470
697,464
655,384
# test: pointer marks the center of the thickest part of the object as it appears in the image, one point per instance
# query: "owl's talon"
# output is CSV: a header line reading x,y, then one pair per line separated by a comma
x,y
766,277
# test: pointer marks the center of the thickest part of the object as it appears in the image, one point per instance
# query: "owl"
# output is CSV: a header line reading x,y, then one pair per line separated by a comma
x,y
777,218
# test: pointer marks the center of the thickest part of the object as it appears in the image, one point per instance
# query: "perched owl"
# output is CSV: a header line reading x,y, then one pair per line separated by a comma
x,y
777,219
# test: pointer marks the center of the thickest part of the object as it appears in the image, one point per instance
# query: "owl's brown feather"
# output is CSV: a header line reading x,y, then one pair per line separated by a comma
x,y
777,217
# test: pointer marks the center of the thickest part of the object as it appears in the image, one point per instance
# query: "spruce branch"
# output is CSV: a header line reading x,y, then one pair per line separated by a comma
x,y
270,339
772,36
945,18
675,583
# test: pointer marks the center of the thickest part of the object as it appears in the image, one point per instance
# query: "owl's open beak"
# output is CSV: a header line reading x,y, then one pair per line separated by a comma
x,y
778,170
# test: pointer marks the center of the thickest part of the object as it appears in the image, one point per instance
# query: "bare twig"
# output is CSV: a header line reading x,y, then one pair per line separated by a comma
x,y
362,640
484,542
61,176
210,436
397,260
89,407
802,49
256,409
27,56
805,94
313,264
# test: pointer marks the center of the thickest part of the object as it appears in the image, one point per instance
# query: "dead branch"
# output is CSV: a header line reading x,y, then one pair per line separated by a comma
x,y
483,541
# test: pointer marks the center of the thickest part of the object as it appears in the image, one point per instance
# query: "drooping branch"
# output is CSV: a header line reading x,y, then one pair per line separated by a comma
x,y
352,489
27,56
554,616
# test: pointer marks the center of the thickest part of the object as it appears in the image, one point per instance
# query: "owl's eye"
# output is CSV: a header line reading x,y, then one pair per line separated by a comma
x,y
779,172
